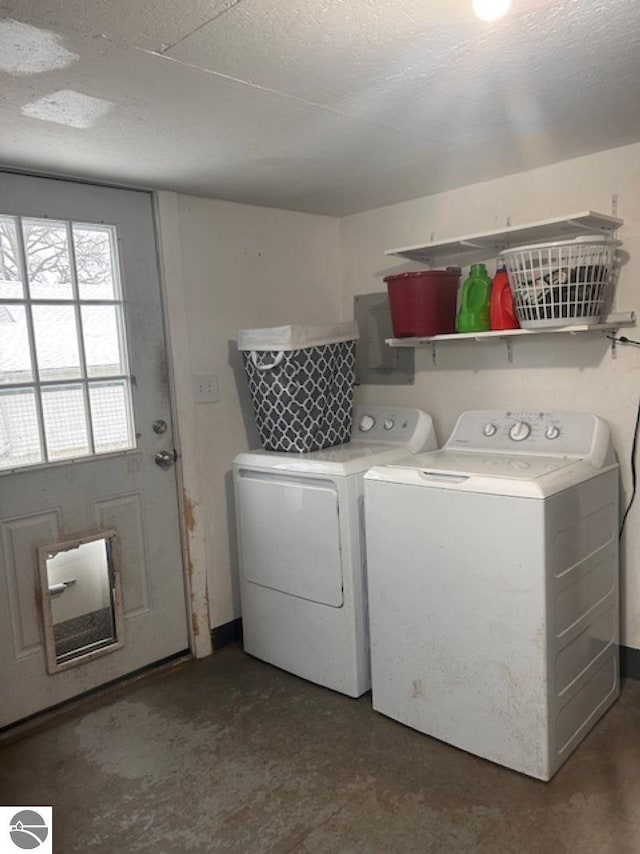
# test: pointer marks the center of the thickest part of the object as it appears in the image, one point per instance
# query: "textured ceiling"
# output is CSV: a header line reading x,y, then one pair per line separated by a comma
x,y
329,106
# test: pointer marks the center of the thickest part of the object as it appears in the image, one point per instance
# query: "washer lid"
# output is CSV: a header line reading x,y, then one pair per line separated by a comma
x,y
469,463
515,475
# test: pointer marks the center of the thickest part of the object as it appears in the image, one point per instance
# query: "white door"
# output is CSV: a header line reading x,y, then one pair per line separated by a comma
x,y
83,403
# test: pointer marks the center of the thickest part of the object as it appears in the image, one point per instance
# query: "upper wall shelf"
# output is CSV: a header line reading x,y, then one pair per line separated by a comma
x,y
611,323
478,247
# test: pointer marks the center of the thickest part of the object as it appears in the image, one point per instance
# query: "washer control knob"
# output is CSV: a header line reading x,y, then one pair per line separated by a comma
x,y
366,423
552,432
520,431
489,429
389,424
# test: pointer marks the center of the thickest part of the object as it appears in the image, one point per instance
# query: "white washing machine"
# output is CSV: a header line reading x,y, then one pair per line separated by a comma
x,y
493,586
300,522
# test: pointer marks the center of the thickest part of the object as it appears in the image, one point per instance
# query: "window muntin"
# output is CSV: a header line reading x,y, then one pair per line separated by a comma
x,y
65,384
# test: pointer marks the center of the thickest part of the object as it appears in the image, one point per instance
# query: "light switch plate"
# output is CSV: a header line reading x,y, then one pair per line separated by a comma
x,y
205,388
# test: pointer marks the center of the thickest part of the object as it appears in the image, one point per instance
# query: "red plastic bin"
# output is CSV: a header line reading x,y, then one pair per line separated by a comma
x,y
423,303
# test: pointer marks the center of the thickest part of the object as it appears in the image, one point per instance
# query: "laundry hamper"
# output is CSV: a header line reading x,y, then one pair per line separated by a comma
x,y
301,382
564,282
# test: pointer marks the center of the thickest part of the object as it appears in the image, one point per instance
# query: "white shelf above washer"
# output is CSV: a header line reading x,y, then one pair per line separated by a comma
x,y
488,244
613,321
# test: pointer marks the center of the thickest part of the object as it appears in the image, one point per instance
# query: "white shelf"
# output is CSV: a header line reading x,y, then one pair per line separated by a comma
x,y
472,247
614,321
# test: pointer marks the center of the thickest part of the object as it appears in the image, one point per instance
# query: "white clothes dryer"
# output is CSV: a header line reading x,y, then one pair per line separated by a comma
x,y
493,586
300,524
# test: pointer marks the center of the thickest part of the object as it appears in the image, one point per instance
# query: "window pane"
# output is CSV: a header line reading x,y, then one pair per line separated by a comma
x,y
48,262
65,424
15,357
10,278
19,434
57,273
110,415
101,325
96,265
56,342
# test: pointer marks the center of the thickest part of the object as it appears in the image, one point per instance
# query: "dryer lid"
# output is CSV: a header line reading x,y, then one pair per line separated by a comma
x,y
339,461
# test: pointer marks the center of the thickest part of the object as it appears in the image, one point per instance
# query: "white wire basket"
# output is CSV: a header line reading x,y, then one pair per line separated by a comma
x,y
564,282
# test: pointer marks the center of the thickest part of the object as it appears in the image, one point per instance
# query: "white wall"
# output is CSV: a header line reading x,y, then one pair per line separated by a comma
x,y
574,373
242,267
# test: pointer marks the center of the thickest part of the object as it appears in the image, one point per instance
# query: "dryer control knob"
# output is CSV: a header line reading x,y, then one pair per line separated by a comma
x,y
489,429
552,432
366,423
520,431
389,424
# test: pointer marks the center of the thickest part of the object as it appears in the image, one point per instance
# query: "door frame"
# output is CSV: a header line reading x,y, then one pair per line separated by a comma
x,y
188,486
171,275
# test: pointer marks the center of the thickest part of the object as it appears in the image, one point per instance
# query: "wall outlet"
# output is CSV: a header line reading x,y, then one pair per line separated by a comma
x,y
205,388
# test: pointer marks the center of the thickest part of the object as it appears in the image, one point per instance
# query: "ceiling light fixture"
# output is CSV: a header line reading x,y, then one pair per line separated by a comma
x,y
491,10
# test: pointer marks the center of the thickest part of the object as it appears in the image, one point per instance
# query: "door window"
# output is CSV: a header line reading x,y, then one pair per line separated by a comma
x,y
65,384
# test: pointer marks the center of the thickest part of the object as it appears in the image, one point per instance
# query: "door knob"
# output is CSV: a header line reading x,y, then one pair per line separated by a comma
x,y
165,459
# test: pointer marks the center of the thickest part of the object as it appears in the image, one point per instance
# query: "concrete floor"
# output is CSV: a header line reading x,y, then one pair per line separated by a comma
x,y
229,754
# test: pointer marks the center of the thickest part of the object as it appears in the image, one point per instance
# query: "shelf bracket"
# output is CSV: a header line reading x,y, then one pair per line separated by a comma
x,y
472,244
509,344
434,361
614,344
585,227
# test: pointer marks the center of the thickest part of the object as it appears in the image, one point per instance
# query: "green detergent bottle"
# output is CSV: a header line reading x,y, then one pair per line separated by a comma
x,y
475,302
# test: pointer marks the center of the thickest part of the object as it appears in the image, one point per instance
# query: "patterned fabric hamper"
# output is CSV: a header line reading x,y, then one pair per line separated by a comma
x,y
301,382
